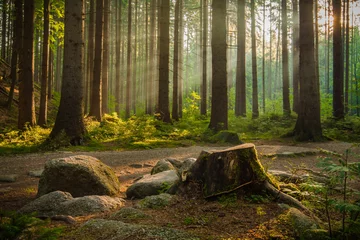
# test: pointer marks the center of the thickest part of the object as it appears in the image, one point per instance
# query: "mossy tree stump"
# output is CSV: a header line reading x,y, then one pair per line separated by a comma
x,y
227,170
220,172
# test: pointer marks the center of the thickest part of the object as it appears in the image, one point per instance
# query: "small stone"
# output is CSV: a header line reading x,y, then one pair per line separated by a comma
x,y
36,173
10,178
136,165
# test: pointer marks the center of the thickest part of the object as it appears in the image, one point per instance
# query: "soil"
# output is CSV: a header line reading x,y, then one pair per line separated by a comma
x,y
245,218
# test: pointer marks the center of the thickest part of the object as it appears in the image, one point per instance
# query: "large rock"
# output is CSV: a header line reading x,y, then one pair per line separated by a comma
x,y
99,229
162,166
62,203
301,223
153,184
156,201
79,175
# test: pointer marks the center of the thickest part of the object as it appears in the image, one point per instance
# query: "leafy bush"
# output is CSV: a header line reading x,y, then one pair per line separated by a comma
x,y
13,225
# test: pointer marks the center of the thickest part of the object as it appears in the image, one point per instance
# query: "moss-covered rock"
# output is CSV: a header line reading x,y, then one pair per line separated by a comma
x,y
79,175
228,137
128,213
316,234
157,201
99,229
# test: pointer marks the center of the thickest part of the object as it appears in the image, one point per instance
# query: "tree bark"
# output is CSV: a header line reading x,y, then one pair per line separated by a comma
x,y
96,94
204,29
26,87
219,99
129,64
16,49
163,101
105,59
285,61
70,117
4,28
338,65
347,56
308,125
44,73
90,56
296,55
152,65
134,64
240,98
118,55
175,103
255,101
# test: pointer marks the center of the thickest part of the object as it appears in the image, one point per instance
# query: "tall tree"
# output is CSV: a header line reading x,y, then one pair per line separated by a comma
x,y
204,58
308,125
263,57
285,60
175,102
181,57
347,56
240,98
16,48
134,64
4,28
163,100
219,100
96,93
90,56
70,117
296,55
255,101
105,58
338,65
44,68
117,54
129,66
26,87
150,106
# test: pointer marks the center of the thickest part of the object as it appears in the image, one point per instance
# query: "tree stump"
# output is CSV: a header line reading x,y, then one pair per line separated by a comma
x,y
220,172
225,171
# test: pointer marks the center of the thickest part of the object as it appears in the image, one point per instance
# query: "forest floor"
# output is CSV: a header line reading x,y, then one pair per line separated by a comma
x,y
243,219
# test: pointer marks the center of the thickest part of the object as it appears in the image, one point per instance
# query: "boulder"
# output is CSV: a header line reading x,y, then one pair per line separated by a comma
x,y
128,213
156,201
152,184
62,203
301,222
47,205
79,175
99,229
161,166
83,206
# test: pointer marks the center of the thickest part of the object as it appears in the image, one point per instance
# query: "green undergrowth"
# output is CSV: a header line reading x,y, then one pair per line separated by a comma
x,y
146,132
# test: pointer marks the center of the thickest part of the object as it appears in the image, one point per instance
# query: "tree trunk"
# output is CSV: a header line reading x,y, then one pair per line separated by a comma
x,y
240,98
296,56
347,56
308,125
96,94
90,56
285,61
263,58
118,55
175,103
105,58
204,58
316,17
163,101
70,117
50,75
152,65
338,65
181,58
4,28
26,87
16,49
44,73
219,99
129,66
255,101
134,64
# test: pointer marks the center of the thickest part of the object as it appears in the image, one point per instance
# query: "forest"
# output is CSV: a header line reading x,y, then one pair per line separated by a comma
x,y
266,91
179,62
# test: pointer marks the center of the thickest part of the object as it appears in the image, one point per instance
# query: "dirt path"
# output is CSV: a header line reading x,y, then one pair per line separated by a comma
x,y
129,165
